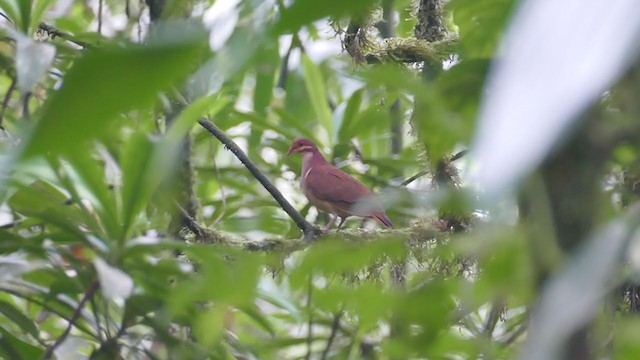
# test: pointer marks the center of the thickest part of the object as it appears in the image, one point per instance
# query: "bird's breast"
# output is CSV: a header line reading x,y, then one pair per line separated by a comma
x,y
320,204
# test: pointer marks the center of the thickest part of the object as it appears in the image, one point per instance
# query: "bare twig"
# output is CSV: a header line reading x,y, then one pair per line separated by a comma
x,y
96,317
7,18
284,67
54,32
422,173
100,16
309,230
515,335
76,315
335,325
26,112
458,155
493,317
191,223
5,101
414,177
310,324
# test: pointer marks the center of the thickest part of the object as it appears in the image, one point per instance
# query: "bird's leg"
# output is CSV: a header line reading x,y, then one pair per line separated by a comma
x,y
330,223
342,220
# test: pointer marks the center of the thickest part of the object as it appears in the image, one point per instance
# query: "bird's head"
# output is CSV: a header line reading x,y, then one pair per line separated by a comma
x,y
302,146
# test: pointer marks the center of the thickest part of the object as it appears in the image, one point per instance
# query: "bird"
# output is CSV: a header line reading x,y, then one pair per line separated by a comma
x,y
334,191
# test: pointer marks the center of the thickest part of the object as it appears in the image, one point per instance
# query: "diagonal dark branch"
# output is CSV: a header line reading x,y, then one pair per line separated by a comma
x,y
284,67
335,325
414,177
493,317
54,32
5,101
100,4
76,315
310,324
309,230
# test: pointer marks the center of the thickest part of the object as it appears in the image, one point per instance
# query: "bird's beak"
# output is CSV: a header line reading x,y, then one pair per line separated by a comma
x,y
291,150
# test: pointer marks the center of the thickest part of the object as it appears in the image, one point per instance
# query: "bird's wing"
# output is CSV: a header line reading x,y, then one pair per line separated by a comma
x,y
332,185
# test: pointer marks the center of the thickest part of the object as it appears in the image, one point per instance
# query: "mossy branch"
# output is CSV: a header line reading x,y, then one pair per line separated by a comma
x,y
417,234
409,50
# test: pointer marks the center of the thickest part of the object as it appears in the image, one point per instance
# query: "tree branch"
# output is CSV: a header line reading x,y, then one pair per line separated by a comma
x,y
284,67
5,101
310,323
54,32
76,315
310,231
335,325
414,177
415,235
410,50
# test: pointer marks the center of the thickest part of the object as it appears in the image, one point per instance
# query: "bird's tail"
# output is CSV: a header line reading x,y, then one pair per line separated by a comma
x,y
383,219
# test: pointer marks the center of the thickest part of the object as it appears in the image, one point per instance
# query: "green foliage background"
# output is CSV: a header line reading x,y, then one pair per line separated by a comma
x,y
101,147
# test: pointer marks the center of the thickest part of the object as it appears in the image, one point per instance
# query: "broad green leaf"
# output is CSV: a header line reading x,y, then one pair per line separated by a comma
x,y
11,8
90,176
129,78
17,316
44,201
261,319
209,325
303,12
147,162
481,24
15,348
38,10
265,77
350,113
25,12
281,301
314,83
138,175
301,125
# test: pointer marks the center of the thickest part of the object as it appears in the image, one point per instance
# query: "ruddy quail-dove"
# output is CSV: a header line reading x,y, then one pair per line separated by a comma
x,y
334,191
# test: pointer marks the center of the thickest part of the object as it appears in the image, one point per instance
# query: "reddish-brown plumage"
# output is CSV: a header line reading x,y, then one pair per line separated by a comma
x,y
332,190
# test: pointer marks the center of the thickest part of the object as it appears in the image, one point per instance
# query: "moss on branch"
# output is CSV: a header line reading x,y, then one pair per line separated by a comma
x,y
414,235
409,50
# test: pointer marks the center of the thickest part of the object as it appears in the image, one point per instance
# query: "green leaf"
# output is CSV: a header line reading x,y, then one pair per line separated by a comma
x,y
481,24
208,327
147,162
303,12
318,95
350,114
37,12
11,8
16,315
259,318
25,12
129,78
46,202
282,302
265,76
90,178
137,173
16,348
